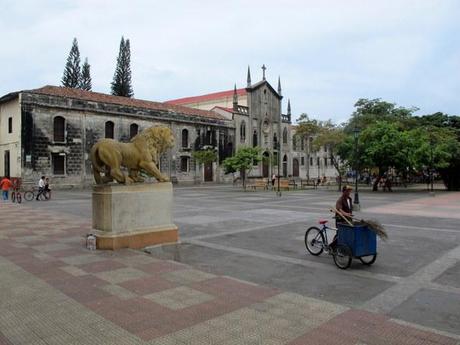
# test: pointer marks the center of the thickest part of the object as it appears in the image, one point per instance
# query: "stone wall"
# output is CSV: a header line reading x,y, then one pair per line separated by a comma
x,y
85,125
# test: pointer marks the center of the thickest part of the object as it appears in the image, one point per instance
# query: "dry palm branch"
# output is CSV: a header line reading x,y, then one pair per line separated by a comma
x,y
373,225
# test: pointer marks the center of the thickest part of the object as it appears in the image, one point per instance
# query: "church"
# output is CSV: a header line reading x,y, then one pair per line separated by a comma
x,y
50,130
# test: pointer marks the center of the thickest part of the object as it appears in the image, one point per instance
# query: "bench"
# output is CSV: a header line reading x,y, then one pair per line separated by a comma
x,y
284,184
293,183
257,183
307,183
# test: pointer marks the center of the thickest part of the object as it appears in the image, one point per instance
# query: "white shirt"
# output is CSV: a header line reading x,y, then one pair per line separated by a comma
x,y
41,183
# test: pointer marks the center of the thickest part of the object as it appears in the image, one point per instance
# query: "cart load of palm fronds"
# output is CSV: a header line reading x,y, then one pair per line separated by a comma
x,y
374,226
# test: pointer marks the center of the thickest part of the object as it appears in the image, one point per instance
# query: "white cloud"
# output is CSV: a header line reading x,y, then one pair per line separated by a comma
x,y
328,53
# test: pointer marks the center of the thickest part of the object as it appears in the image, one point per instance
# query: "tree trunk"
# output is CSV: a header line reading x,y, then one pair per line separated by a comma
x,y
337,167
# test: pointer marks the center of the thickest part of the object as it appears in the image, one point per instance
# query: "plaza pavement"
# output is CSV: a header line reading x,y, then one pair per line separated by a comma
x,y
240,275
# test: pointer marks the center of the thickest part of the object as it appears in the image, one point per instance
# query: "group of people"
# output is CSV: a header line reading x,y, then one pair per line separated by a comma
x,y
43,187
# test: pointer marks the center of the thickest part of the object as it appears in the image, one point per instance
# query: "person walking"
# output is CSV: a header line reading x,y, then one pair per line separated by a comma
x,y
5,184
41,187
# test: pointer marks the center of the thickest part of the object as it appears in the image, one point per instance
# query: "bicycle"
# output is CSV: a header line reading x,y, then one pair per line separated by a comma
x,y
316,242
16,194
347,247
30,195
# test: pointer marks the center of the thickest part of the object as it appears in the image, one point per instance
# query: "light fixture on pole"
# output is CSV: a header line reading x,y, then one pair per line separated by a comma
x,y
356,134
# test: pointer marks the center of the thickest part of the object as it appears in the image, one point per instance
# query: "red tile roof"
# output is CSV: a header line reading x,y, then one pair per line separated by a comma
x,y
207,97
230,110
132,102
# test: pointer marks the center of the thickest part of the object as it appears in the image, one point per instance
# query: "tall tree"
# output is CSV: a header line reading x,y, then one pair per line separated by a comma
x,y
85,82
121,84
242,161
72,74
333,137
369,111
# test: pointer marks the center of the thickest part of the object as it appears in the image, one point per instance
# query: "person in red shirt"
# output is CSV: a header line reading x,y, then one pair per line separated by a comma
x,y
5,184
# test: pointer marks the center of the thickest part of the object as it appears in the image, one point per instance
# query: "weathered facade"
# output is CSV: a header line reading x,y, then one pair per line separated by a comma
x,y
256,112
50,131
54,128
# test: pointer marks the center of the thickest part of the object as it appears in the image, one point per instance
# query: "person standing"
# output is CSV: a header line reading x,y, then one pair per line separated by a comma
x,y
41,187
273,180
5,184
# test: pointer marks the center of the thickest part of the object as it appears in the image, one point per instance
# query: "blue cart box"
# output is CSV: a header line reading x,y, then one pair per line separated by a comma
x,y
359,238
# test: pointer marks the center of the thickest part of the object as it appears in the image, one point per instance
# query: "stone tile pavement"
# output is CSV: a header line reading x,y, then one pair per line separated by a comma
x,y
54,291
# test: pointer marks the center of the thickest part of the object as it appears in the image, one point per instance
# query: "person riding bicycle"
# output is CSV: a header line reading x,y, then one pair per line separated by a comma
x,y
345,206
41,187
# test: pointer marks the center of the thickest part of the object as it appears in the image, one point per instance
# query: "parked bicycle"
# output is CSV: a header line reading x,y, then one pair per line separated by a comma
x,y
16,194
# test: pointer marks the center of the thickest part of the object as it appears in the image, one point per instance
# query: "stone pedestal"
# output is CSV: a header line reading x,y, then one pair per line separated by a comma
x,y
133,216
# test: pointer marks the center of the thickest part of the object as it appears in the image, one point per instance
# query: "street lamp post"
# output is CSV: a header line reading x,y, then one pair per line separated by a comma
x,y
278,148
431,161
356,134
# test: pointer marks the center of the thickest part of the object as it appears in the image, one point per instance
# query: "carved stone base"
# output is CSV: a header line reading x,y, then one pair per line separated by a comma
x,y
133,216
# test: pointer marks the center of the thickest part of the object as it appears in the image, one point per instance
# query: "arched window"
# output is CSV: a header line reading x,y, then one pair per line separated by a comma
x,y
275,142
302,144
133,130
294,143
243,132
254,139
285,136
185,138
109,129
59,129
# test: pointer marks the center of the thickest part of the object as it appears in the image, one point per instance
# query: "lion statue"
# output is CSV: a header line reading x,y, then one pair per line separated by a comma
x,y
141,153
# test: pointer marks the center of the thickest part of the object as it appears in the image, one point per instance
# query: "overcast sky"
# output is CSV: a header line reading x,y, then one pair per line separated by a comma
x,y
327,53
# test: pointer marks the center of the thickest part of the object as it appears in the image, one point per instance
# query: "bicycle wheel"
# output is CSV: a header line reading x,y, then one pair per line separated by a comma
x,y
19,198
369,259
13,197
28,195
342,256
314,240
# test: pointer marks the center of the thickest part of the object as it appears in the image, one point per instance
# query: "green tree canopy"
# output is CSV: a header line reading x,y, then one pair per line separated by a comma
x,y
242,161
121,84
72,72
205,156
369,111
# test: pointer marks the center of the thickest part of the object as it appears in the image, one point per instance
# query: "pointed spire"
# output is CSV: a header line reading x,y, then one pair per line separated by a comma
x,y
289,108
279,86
263,71
235,99
249,77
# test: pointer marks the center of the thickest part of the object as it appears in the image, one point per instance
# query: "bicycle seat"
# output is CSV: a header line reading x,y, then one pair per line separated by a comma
x,y
322,221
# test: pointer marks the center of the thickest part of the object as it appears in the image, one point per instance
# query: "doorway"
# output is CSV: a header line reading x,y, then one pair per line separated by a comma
x,y
265,164
208,172
295,167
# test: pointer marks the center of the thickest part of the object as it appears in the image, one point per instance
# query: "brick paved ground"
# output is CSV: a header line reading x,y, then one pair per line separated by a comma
x,y
54,291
